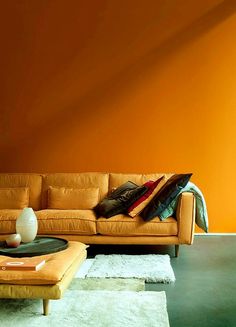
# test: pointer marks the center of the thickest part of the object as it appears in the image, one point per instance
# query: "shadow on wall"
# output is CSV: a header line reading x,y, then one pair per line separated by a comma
x,y
95,104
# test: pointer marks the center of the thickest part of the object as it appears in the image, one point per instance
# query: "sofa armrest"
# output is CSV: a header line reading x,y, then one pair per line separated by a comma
x,y
186,218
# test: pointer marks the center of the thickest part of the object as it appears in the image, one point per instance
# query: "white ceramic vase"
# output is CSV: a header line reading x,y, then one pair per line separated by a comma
x,y
27,225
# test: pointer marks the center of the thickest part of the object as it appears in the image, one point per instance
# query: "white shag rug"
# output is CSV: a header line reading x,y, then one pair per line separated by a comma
x,y
153,268
109,284
89,309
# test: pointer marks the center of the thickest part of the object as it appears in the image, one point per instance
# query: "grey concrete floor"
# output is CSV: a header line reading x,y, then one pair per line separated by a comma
x,y
204,294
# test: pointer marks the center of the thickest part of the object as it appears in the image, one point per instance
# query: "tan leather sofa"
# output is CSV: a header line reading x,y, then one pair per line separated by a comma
x,y
82,225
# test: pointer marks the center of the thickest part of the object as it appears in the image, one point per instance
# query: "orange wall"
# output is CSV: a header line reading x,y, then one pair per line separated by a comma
x,y
128,86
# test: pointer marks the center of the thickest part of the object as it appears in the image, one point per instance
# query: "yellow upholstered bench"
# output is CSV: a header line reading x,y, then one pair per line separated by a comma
x,y
49,282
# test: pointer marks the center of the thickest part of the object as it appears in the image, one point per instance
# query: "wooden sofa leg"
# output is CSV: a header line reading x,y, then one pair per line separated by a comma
x,y
176,250
45,307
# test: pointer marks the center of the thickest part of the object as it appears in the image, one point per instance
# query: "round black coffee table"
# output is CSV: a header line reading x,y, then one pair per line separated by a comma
x,y
41,245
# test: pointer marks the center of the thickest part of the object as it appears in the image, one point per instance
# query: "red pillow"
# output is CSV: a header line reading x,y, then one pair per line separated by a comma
x,y
140,204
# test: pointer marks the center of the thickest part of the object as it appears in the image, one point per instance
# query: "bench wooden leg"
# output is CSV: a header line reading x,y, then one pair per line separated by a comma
x,y
176,250
45,307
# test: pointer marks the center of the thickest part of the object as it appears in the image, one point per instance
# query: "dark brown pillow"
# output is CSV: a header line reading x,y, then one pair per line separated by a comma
x,y
119,200
165,196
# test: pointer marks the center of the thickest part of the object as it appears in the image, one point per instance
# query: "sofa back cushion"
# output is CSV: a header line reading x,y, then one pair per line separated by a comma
x,y
75,181
116,179
72,198
31,181
14,197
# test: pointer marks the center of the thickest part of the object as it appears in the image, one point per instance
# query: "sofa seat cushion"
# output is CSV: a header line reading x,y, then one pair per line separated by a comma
x,y
8,220
80,222
123,225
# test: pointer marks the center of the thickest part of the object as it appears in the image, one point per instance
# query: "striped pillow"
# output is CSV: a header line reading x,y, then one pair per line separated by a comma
x,y
140,204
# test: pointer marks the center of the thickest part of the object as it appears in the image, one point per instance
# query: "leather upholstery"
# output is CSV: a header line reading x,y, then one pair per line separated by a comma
x,y
14,198
143,201
108,239
8,220
118,201
52,272
54,291
186,217
122,225
72,198
164,196
81,225
75,180
116,179
66,221
32,181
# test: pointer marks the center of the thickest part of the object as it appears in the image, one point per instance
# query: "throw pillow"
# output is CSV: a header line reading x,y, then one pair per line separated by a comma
x,y
72,198
14,198
140,204
165,196
201,209
119,200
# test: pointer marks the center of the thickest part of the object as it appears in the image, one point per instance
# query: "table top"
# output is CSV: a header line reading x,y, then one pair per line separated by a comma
x,y
39,246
